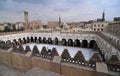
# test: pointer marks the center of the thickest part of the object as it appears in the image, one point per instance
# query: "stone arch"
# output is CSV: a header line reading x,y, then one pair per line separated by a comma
x,y
110,49
84,43
64,42
14,47
32,40
20,41
106,57
56,41
115,40
70,42
49,40
35,39
93,44
44,40
118,42
77,43
117,54
8,44
40,40
28,39
14,41
24,40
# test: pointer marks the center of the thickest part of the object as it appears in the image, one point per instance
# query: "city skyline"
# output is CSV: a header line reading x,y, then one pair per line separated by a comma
x,y
49,10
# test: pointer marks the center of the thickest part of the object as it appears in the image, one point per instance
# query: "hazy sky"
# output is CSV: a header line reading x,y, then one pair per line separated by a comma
x,y
49,10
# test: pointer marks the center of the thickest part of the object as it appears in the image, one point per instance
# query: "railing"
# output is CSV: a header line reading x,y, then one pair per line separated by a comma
x,y
81,63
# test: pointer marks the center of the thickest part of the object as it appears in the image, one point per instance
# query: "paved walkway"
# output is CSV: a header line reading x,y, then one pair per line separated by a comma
x,y
8,71
40,72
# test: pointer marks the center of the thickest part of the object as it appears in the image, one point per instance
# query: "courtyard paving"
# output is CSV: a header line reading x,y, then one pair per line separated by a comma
x,y
8,71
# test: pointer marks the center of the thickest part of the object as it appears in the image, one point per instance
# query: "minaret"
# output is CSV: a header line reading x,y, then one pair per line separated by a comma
x,y
103,16
26,19
59,21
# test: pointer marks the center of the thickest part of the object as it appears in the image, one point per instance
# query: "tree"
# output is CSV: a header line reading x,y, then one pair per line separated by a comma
x,y
6,29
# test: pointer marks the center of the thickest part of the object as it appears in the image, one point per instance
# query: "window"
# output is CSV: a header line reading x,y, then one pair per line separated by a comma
x,y
102,29
94,29
94,25
102,25
98,29
98,25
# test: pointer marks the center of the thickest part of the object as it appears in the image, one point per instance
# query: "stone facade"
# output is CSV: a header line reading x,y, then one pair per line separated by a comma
x,y
53,24
27,62
99,26
107,49
113,28
35,24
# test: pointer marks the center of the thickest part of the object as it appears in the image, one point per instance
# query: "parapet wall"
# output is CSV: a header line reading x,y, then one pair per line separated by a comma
x,y
27,62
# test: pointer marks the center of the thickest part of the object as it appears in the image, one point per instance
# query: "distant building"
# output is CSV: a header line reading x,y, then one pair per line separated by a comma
x,y
99,26
116,19
35,24
73,24
101,19
1,27
55,24
88,26
114,28
19,26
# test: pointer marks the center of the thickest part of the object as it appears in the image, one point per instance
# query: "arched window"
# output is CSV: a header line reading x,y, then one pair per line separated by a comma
x,y
70,42
77,43
84,43
95,25
93,44
102,25
102,29
94,29
64,42
98,25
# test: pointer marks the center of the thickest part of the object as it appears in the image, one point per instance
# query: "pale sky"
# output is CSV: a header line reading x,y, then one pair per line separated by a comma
x,y
49,10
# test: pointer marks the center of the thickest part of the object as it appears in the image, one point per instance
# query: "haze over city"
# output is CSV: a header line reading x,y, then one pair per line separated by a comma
x,y
50,10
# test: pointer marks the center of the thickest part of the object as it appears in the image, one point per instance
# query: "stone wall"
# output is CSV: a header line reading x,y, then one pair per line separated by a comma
x,y
27,62
21,61
5,56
